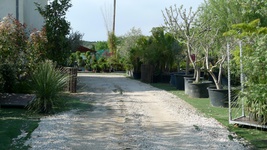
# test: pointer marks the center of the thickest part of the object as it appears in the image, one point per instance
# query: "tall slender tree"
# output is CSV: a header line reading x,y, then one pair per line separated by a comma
x,y
179,21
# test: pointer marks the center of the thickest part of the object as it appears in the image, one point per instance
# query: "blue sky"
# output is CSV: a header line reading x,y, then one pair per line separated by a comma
x,y
87,16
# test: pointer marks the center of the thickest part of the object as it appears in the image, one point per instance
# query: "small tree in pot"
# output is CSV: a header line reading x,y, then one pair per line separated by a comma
x,y
214,21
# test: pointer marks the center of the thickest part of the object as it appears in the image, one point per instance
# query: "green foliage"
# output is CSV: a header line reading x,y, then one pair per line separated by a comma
x,y
47,83
112,43
228,13
12,40
13,43
20,52
248,33
101,45
75,40
36,49
254,9
127,49
8,75
88,60
161,50
57,28
79,59
256,80
136,53
103,64
246,30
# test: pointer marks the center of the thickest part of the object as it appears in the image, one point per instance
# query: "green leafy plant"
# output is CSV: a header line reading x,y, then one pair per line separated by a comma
x,y
103,64
88,60
13,41
256,81
254,67
127,48
57,28
47,83
36,49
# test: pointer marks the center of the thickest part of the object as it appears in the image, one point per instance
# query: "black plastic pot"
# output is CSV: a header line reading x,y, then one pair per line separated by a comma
x,y
186,81
180,80
198,90
218,98
173,78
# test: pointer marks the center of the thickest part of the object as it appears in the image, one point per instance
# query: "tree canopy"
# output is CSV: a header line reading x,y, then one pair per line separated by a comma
x,y
57,28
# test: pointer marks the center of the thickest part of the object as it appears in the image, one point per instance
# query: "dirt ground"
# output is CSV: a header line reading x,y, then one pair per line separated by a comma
x,y
129,114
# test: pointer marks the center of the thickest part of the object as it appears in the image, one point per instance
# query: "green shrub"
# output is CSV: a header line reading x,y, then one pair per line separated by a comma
x,y
47,83
255,93
8,78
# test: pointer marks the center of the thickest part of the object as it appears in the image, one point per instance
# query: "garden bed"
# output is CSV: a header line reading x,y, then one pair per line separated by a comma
x,y
15,100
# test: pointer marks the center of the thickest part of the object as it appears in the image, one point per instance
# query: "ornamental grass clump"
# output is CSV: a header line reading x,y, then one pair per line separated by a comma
x,y
47,83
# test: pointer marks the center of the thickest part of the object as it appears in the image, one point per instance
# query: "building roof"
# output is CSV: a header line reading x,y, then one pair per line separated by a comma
x,y
83,49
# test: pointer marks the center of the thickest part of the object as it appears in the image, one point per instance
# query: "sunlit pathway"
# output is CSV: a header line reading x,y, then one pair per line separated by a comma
x,y
128,114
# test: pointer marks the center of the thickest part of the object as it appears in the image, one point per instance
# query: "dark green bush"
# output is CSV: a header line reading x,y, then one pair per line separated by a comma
x,y
7,78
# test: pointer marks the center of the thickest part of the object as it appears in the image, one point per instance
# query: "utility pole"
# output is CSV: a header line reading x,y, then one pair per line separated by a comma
x,y
17,9
114,16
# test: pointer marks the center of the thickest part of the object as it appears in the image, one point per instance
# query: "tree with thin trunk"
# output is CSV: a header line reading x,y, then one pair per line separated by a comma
x,y
179,22
215,21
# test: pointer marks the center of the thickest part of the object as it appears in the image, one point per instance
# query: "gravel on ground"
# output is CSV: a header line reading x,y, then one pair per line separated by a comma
x,y
128,114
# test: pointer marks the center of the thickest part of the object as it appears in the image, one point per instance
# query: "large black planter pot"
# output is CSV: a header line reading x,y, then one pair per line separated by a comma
x,y
173,78
137,75
186,81
218,98
198,90
180,81
189,80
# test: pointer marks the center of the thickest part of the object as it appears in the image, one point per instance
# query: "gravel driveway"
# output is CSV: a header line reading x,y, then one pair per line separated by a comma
x,y
129,114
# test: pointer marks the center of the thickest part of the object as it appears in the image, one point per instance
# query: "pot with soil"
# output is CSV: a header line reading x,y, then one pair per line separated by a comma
x,y
198,90
218,97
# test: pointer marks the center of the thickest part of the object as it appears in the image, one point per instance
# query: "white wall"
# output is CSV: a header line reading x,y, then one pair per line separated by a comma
x,y
7,7
31,16
27,12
